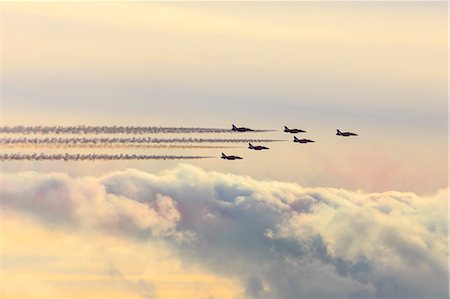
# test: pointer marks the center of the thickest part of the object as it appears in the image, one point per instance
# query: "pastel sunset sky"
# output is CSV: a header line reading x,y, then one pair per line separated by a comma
x,y
362,217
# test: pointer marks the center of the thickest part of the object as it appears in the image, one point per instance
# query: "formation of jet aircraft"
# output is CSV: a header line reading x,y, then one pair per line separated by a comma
x,y
257,147
286,130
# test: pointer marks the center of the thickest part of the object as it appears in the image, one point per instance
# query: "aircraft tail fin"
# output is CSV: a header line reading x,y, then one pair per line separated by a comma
x,y
338,132
295,138
234,127
250,145
223,155
286,128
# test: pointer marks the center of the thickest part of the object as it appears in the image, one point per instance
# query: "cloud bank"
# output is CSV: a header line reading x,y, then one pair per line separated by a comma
x,y
281,240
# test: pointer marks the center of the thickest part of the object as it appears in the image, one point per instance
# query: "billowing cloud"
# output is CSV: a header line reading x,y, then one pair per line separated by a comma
x,y
59,199
280,240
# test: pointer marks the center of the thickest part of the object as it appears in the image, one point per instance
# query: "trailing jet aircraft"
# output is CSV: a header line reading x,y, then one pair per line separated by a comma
x,y
230,157
257,147
241,129
345,134
287,130
302,140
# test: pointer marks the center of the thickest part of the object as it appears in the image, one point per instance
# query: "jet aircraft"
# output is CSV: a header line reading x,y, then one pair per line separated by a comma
x,y
302,140
287,130
345,134
240,129
257,147
230,157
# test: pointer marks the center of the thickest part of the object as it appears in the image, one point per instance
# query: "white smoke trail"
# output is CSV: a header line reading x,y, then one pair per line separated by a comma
x,y
125,140
91,157
83,129
113,146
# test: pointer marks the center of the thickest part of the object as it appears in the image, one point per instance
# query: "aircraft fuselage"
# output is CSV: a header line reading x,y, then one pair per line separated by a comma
x,y
303,140
294,131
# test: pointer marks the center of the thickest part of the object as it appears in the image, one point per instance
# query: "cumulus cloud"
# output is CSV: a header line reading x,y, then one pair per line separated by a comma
x,y
280,240
61,200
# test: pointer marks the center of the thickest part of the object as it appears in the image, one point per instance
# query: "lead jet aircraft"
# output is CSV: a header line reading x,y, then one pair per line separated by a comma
x,y
302,140
230,157
287,130
257,147
241,129
345,134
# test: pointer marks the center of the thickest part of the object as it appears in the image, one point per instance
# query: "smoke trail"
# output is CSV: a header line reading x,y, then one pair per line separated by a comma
x,y
91,157
126,140
114,146
82,129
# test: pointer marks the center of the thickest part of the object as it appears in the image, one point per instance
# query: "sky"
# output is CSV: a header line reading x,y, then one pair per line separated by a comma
x,y
359,217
